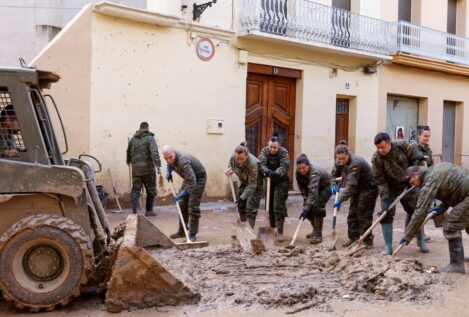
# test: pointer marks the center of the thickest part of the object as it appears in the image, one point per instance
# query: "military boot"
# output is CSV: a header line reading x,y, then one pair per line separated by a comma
x,y
348,243
387,236
149,207
421,242
317,238
134,202
279,232
178,234
456,257
252,222
192,237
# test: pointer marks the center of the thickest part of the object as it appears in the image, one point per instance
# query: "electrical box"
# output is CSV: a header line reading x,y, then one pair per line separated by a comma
x,y
215,126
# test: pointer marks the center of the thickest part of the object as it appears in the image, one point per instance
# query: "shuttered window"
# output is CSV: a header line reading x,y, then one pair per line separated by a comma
x,y
405,10
451,21
341,4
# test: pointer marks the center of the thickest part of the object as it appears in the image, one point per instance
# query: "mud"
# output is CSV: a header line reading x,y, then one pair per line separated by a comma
x,y
302,278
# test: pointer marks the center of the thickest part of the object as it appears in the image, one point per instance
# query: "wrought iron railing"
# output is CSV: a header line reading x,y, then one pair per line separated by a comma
x,y
308,21
425,42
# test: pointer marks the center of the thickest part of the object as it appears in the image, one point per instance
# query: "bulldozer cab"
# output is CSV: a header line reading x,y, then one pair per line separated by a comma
x,y
55,238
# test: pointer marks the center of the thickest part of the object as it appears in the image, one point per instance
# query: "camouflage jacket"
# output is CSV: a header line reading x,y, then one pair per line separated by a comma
x,y
389,170
278,162
142,153
447,182
359,176
423,150
310,184
189,168
248,174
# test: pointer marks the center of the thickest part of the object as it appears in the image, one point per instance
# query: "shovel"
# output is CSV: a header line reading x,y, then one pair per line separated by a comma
x,y
188,244
334,236
266,228
402,244
370,229
256,244
295,235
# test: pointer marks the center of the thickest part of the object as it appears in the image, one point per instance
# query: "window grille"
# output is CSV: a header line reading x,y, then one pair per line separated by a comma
x,y
11,140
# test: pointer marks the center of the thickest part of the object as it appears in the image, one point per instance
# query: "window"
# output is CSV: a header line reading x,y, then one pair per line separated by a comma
x,y
11,141
405,10
451,20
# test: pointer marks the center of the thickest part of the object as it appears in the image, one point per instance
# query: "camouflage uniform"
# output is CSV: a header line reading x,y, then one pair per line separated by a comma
x,y
423,150
363,191
193,172
315,187
142,154
250,189
450,184
7,142
389,171
279,185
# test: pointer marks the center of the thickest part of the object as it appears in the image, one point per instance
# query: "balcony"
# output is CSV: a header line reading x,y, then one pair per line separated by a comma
x,y
314,24
428,43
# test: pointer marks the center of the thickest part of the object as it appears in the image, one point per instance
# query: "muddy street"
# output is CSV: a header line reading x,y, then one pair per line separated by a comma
x,y
303,281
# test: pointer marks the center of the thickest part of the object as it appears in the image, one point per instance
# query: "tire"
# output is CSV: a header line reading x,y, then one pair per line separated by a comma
x,y
45,260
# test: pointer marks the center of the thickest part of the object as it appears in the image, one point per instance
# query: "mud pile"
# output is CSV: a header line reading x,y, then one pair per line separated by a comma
x,y
297,279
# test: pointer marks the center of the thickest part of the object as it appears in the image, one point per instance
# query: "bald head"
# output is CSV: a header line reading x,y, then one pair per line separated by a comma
x,y
169,154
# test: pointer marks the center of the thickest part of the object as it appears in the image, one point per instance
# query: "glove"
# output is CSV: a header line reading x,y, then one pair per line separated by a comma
x,y
337,204
273,174
386,205
333,189
403,240
438,212
240,201
304,214
169,176
180,196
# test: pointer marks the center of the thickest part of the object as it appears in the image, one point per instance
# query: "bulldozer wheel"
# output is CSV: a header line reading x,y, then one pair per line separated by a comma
x,y
45,260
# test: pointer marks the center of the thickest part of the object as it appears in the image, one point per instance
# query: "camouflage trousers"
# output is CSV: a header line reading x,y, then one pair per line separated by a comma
x,y
318,210
408,202
249,209
360,215
190,206
278,203
457,220
147,180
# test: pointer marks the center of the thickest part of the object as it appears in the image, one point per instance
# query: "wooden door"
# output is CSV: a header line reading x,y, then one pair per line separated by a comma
x,y
341,120
270,106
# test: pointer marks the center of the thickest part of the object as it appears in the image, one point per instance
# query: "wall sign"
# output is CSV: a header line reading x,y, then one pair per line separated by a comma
x,y
205,49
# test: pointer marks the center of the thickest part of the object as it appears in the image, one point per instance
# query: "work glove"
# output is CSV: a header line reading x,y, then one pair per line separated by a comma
x,y
304,214
273,174
438,212
333,189
169,175
181,196
403,240
240,201
337,204
386,205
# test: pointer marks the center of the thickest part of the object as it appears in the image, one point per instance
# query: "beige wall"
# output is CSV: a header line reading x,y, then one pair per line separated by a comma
x,y
432,88
69,55
431,14
389,10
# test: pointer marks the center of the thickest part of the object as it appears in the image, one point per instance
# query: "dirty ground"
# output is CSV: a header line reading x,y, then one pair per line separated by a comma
x,y
304,281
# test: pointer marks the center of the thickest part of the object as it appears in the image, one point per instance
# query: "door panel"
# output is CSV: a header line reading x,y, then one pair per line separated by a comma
x,y
341,120
402,116
449,116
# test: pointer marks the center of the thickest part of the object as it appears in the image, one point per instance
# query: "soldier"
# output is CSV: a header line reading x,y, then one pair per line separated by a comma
x,y
422,146
274,163
362,190
193,173
8,129
143,156
315,187
450,184
389,164
245,166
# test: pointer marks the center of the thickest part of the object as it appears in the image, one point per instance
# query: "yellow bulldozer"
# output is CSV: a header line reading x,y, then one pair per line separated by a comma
x,y
55,238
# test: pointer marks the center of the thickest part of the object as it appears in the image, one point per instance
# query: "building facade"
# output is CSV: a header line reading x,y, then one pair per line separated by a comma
x,y
315,71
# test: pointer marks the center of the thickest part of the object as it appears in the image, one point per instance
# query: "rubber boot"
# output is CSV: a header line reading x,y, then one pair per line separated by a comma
x,y
456,257
134,202
311,234
348,243
178,234
149,207
421,242
192,237
252,222
280,232
317,238
387,236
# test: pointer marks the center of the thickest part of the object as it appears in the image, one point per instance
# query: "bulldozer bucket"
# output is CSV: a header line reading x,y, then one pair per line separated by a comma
x,y
137,279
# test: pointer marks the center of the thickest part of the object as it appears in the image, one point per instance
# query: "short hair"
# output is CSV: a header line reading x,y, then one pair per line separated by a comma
x,y
242,148
421,128
410,171
7,112
303,159
144,125
342,148
382,136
